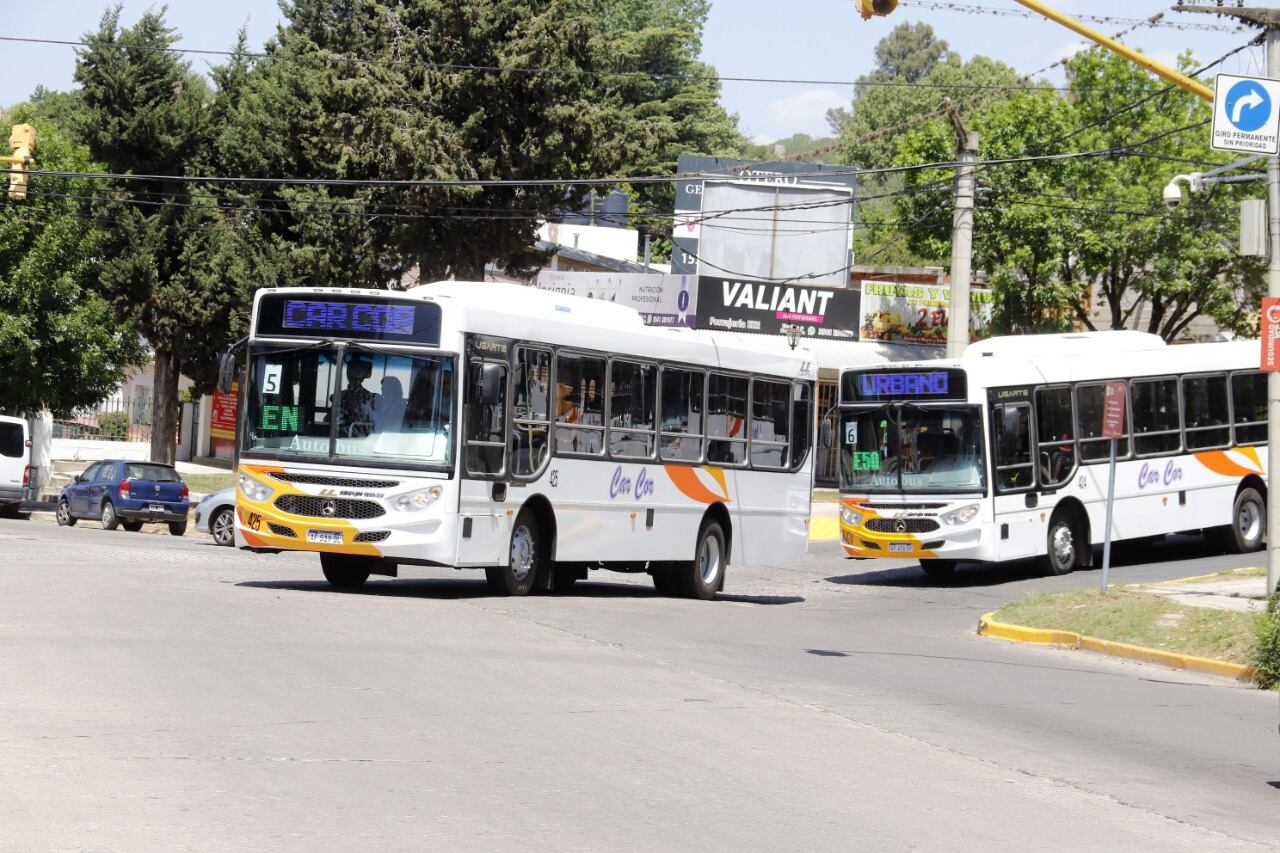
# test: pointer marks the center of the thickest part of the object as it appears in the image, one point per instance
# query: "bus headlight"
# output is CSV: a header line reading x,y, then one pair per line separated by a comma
x,y
960,516
419,500
255,491
850,517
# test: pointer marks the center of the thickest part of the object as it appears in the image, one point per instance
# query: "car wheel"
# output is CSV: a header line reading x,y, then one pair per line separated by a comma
x,y
1248,522
516,578
110,521
938,570
343,571
1064,544
64,516
131,526
223,526
177,528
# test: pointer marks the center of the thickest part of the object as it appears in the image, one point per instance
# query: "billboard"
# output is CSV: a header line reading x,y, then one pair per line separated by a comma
x,y
763,220
663,300
763,307
917,313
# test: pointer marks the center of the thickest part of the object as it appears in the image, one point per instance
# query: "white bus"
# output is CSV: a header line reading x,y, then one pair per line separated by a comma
x,y
1000,455
531,434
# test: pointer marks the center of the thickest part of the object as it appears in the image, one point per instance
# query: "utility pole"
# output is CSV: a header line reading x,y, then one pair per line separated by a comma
x,y
961,237
1269,20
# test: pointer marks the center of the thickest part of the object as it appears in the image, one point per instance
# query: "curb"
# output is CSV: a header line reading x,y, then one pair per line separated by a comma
x,y
1193,578
989,627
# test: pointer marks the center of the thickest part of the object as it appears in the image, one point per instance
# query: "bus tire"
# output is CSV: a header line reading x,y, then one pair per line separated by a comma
x,y
517,576
1248,522
1063,544
343,571
938,570
664,578
704,577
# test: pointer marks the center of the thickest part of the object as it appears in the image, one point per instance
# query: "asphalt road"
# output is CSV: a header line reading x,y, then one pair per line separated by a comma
x,y
160,694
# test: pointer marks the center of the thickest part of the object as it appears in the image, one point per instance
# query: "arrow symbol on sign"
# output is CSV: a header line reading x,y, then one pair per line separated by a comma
x,y
1251,100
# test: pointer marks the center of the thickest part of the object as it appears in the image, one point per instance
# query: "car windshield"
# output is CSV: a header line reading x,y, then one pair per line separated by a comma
x,y
353,405
908,448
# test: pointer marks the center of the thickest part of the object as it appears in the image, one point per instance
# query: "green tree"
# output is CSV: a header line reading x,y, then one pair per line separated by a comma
x,y
61,346
173,261
1059,235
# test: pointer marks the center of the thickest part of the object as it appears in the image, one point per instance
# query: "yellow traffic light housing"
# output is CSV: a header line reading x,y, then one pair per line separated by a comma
x,y
22,142
868,8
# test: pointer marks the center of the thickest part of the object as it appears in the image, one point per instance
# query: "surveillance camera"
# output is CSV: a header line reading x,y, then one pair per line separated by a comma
x,y
1172,195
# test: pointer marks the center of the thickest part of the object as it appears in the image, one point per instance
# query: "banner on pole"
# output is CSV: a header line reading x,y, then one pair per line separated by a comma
x,y
1270,333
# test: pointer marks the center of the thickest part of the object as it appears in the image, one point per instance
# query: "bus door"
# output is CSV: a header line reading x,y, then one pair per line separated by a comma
x,y
1013,462
484,526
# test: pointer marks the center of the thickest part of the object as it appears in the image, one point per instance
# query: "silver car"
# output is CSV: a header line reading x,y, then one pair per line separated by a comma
x,y
216,515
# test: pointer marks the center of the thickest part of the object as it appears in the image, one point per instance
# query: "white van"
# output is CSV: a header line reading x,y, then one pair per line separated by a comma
x,y
15,463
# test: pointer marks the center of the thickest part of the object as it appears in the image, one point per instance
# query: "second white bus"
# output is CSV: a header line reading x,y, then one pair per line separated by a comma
x,y
1000,455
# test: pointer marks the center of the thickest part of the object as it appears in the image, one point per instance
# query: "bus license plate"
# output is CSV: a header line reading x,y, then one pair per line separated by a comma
x,y
324,537
900,547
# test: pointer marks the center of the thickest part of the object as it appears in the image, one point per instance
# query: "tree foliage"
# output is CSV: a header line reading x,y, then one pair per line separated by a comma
x,y
60,344
173,260
1059,236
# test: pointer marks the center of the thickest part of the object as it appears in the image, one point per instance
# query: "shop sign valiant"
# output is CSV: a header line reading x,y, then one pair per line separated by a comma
x,y
743,305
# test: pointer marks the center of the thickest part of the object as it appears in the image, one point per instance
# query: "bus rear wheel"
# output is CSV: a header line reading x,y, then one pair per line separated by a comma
x,y
1064,545
1248,522
343,571
516,578
703,577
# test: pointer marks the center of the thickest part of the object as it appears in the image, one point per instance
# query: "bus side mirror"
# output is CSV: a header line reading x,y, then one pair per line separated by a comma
x,y
226,372
827,433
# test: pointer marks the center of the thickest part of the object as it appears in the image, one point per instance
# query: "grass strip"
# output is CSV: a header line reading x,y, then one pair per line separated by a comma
x,y
1127,615
207,484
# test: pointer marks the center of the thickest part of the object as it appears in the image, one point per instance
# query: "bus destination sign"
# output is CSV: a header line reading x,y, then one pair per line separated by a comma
x,y
334,316
924,385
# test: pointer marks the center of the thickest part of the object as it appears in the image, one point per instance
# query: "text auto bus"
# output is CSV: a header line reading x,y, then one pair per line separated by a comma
x,y
531,434
1000,455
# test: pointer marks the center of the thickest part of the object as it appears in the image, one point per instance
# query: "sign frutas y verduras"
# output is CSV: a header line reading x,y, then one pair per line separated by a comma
x,y
917,313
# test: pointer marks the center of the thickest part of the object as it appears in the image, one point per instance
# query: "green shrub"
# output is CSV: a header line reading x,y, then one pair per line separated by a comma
x,y
114,425
1265,655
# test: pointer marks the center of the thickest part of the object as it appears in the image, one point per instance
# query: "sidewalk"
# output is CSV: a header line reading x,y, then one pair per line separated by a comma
x,y
1246,594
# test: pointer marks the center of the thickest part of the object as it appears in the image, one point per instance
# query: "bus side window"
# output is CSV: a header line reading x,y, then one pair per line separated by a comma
x,y
486,418
681,414
579,404
770,423
632,390
1249,403
802,423
1205,407
1155,416
726,419
1054,426
1089,405
1015,468
530,411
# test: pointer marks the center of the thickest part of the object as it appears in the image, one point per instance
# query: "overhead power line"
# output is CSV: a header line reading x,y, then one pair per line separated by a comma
x,y
1157,20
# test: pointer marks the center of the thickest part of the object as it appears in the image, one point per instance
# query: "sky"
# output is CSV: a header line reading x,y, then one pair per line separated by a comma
x,y
815,40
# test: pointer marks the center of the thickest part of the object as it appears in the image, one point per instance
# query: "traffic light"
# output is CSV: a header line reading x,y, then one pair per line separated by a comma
x,y
875,7
22,142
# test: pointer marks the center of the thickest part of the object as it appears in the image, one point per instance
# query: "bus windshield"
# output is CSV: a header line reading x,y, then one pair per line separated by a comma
x,y
350,405
902,447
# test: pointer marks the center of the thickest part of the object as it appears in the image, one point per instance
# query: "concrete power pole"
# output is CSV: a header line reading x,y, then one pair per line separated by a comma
x,y
961,238
1273,378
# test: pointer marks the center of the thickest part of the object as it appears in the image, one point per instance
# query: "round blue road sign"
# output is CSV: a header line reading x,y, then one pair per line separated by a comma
x,y
1248,105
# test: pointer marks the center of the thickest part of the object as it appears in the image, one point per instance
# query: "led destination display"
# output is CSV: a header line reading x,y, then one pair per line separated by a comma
x,y
923,385
326,316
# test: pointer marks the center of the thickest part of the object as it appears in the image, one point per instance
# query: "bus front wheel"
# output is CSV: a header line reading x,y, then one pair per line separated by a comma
x,y
1064,544
516,578
343,571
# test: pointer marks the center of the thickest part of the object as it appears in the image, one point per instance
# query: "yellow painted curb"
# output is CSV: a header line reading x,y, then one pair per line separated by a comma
x,y
989,627
824,529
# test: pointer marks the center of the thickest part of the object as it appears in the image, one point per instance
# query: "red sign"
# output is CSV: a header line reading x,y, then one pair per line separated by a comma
x,y
1113,411
1270,333
222,424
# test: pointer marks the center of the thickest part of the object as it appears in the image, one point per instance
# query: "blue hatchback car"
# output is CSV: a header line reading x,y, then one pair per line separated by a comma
x,y
127,494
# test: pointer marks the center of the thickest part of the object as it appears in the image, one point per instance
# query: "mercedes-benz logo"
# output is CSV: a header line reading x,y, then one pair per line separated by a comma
x,y
328,509
900,525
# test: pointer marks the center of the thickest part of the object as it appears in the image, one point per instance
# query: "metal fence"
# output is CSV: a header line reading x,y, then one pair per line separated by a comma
x,y
117,419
